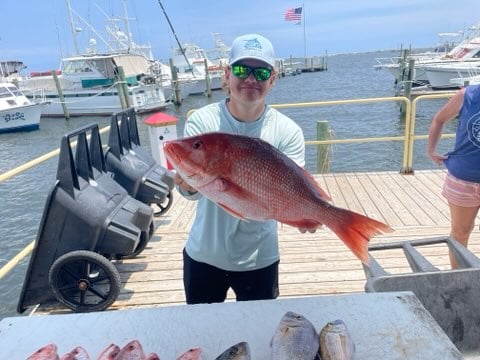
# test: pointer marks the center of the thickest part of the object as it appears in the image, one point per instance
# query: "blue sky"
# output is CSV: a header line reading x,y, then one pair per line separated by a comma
x,y
39,34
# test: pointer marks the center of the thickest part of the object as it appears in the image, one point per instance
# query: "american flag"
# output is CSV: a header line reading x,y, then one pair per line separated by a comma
x,y
293,14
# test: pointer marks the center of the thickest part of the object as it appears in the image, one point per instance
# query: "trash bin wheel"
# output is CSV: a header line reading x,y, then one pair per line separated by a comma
x,y
162,208
142,243
84,281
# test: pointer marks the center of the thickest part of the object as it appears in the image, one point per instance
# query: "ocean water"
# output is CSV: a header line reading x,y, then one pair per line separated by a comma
x,y
349,76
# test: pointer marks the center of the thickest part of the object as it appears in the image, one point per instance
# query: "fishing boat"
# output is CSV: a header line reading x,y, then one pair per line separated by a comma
x,y
10,69
440,76
17,112
462,81
468,50
196,68
90,84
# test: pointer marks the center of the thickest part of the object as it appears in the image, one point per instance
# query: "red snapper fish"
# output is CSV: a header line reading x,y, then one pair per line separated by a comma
x,y
251,179
78,353
47,352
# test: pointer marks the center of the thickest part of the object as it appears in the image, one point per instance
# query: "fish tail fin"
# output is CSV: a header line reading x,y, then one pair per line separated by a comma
x,y
356,230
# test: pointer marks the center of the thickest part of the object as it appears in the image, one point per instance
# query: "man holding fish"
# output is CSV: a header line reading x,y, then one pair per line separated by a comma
x,y
223,251
243,161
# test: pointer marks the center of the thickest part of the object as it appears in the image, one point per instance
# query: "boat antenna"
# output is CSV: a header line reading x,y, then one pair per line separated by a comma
x,y
72,26
174,34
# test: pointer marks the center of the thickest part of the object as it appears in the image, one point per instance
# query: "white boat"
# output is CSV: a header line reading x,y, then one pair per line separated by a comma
x,y
90,82
10,69
17,113
219,54
194,67
90,85
462,81
466,50
440,76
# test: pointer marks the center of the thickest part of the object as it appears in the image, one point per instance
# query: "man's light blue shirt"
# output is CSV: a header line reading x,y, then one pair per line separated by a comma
x,y
216,237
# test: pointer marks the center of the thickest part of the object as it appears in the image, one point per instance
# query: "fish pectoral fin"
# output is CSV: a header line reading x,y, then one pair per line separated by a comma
x,y
222,184
232,212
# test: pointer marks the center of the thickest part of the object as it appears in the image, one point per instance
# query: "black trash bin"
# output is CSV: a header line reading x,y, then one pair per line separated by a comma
x,y
88,220
133,167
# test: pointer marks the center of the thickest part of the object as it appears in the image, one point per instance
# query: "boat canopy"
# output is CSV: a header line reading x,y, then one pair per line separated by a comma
x,y
132,64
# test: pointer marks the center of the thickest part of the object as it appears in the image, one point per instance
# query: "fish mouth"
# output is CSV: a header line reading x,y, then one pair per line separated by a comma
x,y
170,149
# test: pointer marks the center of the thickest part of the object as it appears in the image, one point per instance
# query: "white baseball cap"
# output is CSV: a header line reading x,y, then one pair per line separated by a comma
x,y
252,46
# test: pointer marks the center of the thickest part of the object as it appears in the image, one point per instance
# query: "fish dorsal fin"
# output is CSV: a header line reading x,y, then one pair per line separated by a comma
x,y
323,194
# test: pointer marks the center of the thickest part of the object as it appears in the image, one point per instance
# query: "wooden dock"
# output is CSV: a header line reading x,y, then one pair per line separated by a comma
x,y
311,264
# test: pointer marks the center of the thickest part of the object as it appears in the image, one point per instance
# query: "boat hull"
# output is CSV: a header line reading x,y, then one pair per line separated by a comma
x,y
440,76
97,102
21,118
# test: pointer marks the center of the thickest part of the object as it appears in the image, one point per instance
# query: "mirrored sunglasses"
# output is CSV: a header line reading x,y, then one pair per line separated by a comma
x,y
243,71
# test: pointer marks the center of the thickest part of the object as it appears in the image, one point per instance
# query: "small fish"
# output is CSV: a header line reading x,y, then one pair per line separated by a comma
x,y
295,338
109,352
336,342
78,353
152,356
251,179
132,351
47,352
192,354
240,351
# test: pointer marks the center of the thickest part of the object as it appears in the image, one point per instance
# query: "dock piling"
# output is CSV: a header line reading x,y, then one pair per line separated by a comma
x,y
174,83
323,133
123,84
60,94
208,84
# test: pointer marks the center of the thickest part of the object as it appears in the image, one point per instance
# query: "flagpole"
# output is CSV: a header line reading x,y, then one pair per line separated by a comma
x,y
304,37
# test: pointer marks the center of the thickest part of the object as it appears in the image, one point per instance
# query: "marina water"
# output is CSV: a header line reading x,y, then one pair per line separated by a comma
x,y
349,76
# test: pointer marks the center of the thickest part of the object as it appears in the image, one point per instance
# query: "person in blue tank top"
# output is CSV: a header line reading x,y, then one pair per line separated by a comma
x,y
222,251
462,182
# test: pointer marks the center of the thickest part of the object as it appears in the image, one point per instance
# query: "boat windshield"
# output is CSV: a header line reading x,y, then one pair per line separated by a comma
x,y
78,66
89,66
8,91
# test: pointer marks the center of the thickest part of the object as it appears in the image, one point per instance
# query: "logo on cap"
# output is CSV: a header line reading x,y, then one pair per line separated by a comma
x,y
252,44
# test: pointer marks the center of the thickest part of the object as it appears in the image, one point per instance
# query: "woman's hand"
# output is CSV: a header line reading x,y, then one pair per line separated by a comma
x,y
437,158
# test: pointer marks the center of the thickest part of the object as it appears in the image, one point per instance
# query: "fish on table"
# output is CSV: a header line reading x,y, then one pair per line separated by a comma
x,y
336,343
131,351
294,339
109,352
134,351
152,356
251,179
47,352
192,354
240,351
77,353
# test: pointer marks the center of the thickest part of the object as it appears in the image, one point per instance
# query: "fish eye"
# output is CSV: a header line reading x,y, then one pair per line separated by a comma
x,y
197,144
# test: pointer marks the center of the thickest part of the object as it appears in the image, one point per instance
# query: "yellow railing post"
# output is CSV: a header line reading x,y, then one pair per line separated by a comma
x,y
413,116
408,142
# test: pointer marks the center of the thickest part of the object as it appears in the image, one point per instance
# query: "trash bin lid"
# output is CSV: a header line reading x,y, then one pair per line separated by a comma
x,y
160,119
